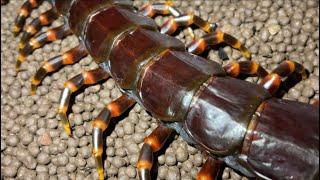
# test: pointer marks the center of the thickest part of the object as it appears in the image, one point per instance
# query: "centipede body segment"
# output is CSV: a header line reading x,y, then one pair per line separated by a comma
x,y
237,123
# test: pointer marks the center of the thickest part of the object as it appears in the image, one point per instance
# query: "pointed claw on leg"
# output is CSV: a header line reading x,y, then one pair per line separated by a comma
x,y
64,103
97,138
65,123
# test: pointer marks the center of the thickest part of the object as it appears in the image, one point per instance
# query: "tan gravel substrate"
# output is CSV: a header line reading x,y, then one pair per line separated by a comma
x,y
33,144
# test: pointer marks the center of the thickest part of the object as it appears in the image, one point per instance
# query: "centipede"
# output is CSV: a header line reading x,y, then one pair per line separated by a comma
x,y
239,124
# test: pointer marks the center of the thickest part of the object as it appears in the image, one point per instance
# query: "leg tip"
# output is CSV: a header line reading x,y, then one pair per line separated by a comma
x,y
33,89
65,122
100,174
67,129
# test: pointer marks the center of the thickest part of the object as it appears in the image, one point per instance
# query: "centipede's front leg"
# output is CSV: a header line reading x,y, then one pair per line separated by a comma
x,y
100,124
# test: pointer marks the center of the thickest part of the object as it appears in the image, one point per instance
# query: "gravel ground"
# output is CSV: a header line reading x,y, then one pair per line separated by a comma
x,y
33,144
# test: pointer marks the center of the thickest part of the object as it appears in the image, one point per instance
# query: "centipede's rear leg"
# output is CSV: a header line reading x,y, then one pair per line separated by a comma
x,y
100,124
153,143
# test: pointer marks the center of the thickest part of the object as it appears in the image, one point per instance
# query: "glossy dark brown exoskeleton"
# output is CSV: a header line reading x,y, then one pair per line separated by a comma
x,y
236,122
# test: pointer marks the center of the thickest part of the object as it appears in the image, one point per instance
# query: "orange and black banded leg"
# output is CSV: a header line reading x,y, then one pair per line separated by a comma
x,y
172,24
215,38
152,144
35,26
100,124
273,80
70,57
252,68
166,8
71,86
38,41
211,169
24,13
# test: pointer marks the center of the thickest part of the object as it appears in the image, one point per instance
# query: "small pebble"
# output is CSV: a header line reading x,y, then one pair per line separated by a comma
x,y
43,158
181,154
170,159
45,139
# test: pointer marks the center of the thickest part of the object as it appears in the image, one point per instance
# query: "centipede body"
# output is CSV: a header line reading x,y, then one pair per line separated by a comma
x,y
180,88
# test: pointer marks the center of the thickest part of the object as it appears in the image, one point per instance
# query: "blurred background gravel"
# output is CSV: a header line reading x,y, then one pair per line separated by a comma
x,y
33,144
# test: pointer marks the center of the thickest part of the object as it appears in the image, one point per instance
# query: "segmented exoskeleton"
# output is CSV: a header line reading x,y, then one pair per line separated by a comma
x,y
236,122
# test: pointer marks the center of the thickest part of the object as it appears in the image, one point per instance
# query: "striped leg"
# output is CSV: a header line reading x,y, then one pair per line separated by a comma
x,y
70,57
100,124
273,80
152,143
35,26
211,169
38,41
25,12
215,38
172,24
252,68
72,85
166,8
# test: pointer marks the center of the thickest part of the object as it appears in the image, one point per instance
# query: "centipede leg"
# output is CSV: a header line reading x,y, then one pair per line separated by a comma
x,y
152,143
211,169
234,69
100,124
215,38
172,24
72,85
70,57
35,26
38,41
25,12
273,80
166,8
